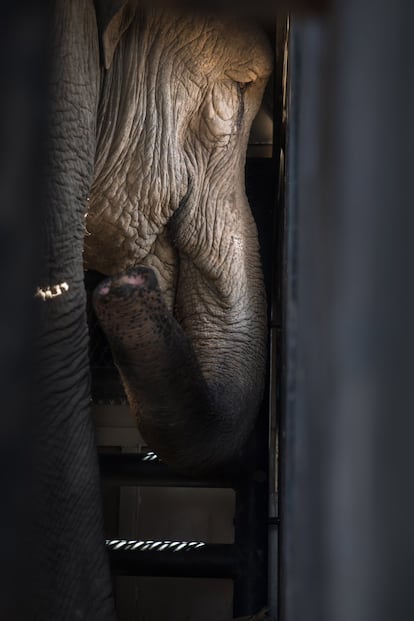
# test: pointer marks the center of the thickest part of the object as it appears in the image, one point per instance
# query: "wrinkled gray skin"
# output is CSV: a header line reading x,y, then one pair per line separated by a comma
x,y
156,141
174,118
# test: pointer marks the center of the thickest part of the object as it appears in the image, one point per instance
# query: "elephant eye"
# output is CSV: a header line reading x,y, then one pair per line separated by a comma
x,y
243,86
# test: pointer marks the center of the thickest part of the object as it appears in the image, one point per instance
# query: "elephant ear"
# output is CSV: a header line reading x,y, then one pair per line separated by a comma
x,y
114,18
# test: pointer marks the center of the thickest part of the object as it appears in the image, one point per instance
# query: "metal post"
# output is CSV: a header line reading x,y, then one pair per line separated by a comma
x,y
23,125
146,470
251,536
348,492
277,318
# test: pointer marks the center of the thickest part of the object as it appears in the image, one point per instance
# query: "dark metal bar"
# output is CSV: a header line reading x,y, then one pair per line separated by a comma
x,y
144,469
252,492
348,501
277,324
251,524
301,464
24,53
209,561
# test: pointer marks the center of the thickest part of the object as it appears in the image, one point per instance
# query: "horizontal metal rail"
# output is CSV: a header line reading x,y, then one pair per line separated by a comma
x,y
174,559
146,470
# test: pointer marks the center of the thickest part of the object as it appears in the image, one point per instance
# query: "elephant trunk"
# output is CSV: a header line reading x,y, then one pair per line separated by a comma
x,y
72,569
194,389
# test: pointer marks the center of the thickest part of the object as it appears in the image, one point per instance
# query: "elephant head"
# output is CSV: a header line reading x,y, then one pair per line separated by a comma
x,y
169,221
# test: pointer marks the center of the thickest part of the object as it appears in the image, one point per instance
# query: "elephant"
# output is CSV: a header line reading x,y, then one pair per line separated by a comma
x,y
149,116
168,221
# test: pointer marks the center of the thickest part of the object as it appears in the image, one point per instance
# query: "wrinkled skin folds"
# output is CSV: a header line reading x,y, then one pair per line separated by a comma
x,y
169,223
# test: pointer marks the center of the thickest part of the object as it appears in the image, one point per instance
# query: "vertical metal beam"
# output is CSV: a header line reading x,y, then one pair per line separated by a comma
x,y
23,78
277,315
348,491
251,537
298,492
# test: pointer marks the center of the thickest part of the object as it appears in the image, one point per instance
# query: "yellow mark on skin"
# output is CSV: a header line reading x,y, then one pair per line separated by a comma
x,y
48,293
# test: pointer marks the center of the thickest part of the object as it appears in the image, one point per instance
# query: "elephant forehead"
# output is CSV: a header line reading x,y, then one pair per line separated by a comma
x,y
217,47
245,50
